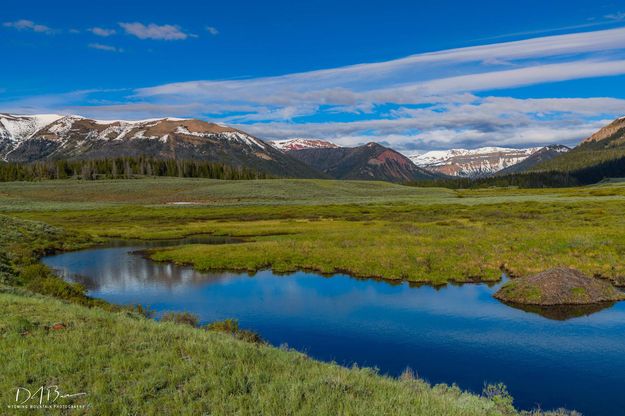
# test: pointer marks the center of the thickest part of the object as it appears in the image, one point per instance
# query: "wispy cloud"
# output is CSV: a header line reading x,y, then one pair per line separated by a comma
x,y
413,77
212,30
99,31
424,101
156,32
618,16
29,25
107,48
607,20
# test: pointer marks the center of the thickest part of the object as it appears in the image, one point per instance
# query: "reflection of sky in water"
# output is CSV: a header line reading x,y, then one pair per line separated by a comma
x,y
453,334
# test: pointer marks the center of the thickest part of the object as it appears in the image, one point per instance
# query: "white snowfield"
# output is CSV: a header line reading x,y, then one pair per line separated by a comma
x,y
475,162
15,128
298,143
443,157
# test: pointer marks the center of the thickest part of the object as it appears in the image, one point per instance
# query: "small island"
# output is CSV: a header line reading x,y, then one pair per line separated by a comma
x,y
558,286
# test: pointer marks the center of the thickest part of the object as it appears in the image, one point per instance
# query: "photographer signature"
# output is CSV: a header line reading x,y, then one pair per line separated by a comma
x,y
44,394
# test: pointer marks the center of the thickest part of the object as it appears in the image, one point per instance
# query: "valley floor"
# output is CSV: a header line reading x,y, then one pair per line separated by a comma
x,y
133,365
369,229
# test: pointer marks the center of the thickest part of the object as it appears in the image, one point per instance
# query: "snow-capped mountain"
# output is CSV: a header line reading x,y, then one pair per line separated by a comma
x,y
41,137
288,145
472,162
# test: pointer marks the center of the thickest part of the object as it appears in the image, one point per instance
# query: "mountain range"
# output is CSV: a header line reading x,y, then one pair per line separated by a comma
x,y
54,137
479,162
31,138
49,137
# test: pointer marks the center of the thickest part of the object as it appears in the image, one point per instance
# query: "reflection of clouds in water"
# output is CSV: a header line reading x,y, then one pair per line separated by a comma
x,y
114,270
466,313
452,334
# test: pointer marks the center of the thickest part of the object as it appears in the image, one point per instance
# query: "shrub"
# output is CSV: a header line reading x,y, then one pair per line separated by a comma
x,y
144,311
408,375
34,271
58,288
227,325
249,336
498,394
184,318
231,326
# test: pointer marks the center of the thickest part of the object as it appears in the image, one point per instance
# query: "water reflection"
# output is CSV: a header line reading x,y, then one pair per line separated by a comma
x,y
453,334
562,312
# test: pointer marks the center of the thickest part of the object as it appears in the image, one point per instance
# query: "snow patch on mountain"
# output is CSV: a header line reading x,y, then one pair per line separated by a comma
x,y
147,120
287,145
62,126
17,127
228,135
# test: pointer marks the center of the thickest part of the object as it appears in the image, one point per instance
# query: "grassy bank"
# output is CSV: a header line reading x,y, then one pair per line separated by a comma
x,y
130,365
367,229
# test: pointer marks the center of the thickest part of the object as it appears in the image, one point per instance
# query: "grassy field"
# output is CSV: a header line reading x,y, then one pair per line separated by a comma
x,y
368,229
51,334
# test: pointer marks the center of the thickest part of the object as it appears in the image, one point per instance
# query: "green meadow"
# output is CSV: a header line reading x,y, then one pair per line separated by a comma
x,y
131,364
369,229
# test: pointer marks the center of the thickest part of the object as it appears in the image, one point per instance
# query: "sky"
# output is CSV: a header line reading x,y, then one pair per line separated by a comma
x,y
414,75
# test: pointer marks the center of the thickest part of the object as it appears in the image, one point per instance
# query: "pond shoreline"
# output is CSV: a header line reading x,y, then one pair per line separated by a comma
x,y
324,316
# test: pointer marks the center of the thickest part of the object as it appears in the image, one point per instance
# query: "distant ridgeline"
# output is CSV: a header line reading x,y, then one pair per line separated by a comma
x,y
599,157
614,168
123,168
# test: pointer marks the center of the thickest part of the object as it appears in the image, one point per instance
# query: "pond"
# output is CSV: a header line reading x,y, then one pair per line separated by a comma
x,y
455,334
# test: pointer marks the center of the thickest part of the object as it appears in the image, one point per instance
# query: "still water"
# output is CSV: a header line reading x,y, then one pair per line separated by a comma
x,y
455,334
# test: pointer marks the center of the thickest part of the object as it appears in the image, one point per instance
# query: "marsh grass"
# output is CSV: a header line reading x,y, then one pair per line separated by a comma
x,y
128,364
393,232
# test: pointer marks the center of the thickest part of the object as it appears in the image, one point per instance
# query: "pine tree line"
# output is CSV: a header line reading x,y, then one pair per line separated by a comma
x,y
123,168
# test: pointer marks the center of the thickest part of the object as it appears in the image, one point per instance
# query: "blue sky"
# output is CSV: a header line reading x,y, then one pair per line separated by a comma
x,y
414,75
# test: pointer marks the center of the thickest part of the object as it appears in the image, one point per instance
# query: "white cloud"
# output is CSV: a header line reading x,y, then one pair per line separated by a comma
x,y
414,78
107,48
212,30
420,102
618,16
24,24
154,31
99,31
531,75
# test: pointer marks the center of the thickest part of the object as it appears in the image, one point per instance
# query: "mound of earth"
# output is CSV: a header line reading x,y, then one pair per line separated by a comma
x,y
559,286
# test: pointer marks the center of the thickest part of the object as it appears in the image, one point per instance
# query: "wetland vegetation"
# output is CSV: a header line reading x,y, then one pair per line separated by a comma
x,y
370,229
